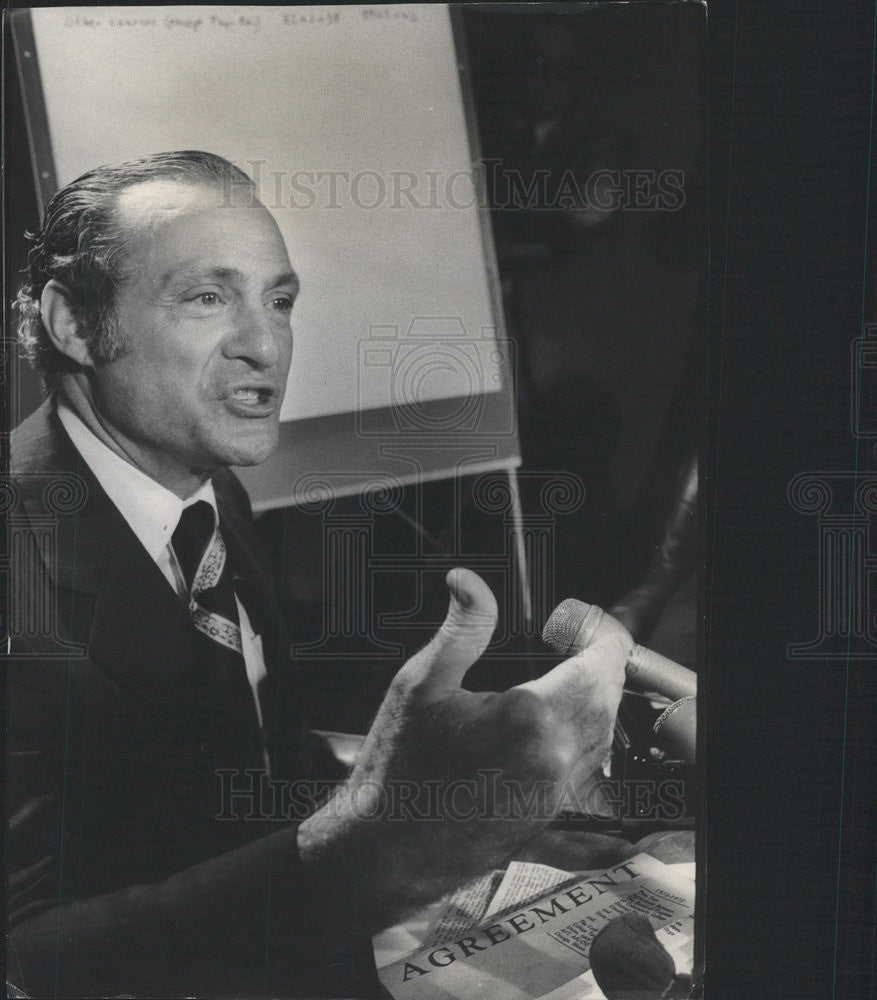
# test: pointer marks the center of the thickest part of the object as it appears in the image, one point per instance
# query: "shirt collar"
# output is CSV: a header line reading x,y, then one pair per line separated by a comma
x,y
151,510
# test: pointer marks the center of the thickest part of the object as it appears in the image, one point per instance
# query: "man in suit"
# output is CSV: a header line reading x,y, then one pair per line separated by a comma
x,y
169,830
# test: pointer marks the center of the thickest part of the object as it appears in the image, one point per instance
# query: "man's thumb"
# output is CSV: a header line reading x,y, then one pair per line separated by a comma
x,y
466,630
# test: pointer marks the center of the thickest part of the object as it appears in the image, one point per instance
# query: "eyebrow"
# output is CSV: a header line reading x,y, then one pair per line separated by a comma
x,y
175,276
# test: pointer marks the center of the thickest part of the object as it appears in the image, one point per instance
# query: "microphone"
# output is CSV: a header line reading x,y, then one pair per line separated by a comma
x,y
629,962
572,627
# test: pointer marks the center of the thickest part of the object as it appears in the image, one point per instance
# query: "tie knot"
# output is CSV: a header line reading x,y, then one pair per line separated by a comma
x,y
192,536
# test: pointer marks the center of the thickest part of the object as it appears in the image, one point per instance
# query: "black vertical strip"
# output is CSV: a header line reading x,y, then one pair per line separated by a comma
x,y
39,137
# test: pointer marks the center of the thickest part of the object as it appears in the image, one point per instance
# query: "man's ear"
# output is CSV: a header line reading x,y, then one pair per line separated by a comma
x,y
62,324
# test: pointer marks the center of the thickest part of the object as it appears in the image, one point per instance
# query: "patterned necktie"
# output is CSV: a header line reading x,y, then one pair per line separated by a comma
x,y
202,556
213,610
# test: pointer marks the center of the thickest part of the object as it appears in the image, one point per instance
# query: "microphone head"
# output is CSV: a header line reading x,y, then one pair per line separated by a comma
x,y
563,625
628,960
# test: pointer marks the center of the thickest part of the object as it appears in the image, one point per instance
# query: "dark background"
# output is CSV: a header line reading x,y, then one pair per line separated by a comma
x,y
790,743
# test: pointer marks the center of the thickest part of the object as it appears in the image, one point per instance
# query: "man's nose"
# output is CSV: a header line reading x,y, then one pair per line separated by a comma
x,y
256,337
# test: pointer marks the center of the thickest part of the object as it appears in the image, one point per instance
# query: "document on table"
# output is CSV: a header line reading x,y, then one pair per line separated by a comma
x,y
525,934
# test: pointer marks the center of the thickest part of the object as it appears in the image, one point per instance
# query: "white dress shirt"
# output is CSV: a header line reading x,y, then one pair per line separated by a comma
x,y
153,512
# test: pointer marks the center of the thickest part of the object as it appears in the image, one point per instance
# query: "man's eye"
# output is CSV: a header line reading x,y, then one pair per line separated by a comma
x,y
282,303
203,300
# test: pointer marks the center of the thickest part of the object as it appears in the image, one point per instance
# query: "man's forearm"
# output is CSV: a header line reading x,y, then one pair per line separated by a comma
x,y
376,866
366,884
210,929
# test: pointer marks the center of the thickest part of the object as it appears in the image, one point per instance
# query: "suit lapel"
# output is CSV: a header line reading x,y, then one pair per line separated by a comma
x,y
111,595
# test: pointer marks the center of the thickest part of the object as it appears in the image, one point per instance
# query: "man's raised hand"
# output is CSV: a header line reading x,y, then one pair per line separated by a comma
x,y
449,782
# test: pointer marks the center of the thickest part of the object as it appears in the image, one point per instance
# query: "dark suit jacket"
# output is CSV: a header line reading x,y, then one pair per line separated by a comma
x,y
138,860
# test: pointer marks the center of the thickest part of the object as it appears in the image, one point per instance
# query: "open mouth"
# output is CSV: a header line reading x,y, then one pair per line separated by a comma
x,y
261,395
253,401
